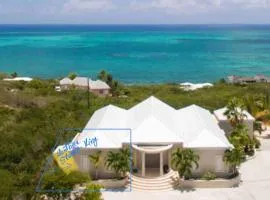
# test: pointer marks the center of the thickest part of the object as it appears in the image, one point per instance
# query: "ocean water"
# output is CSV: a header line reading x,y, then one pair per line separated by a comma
x,y
136,53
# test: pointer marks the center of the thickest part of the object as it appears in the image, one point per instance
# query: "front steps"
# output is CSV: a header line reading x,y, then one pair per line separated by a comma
x,y
167,182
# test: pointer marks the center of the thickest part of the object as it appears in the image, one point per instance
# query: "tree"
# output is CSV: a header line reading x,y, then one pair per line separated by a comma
x,y
96,160
125,161
72,75
239,136
119,162
234,157
103,75
235,112
14,75
108,78
184,160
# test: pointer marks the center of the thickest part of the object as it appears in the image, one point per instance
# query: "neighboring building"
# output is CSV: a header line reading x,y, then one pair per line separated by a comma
x,y
98,87
65,83
261,78
194,86
81,82
26,79
241,80
157,131
224,123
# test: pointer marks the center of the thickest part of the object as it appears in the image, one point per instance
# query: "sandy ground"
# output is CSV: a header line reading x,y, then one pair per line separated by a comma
x,y
255,183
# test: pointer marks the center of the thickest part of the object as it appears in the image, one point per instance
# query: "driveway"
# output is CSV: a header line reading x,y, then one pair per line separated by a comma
x,y
255,183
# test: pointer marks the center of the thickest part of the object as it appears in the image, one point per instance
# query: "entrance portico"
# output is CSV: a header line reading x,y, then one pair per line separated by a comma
x,y
151,159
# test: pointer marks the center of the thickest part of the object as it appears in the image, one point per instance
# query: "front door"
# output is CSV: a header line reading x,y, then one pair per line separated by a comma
x,y
152,160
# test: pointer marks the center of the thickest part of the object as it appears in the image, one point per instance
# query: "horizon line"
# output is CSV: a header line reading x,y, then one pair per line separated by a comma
x,y
137,24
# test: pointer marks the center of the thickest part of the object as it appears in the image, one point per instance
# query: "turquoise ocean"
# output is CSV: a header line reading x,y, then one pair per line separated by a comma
x,y
136,53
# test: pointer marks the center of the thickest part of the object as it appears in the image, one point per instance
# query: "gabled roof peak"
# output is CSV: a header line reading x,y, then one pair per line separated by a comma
x,y
110,107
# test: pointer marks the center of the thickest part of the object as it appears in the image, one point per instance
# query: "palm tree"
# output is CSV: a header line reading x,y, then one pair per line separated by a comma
x,y
126,160
119,162
239,136
234,157
103,75
235,112
72,75
184,160
96,160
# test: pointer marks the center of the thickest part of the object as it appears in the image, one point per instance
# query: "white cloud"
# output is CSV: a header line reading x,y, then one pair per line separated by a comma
x,y
258,4
87,5
197,6
177,6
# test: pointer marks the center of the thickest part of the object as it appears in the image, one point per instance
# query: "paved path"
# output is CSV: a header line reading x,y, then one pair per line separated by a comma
x,y
255,185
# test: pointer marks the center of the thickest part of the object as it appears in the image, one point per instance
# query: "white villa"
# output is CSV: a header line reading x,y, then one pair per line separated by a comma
x,y
97,87
157,130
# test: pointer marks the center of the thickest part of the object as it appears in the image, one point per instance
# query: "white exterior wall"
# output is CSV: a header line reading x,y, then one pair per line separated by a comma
x,y
85,165
211,160
101,92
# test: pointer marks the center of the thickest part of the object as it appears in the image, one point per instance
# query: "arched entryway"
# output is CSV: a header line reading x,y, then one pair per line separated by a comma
x,y
150,159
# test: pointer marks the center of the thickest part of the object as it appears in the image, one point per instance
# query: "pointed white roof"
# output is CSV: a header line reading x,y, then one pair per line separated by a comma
x,y
80,81
207,139
155,122
65,81
108,117
98,85
151,130
222,117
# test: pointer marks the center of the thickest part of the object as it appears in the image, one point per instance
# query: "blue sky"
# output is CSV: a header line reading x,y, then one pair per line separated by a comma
x,y
135,11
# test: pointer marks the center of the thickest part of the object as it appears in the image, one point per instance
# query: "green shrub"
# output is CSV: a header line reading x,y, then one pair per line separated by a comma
x,y
6,184
209,176
61,181
92,192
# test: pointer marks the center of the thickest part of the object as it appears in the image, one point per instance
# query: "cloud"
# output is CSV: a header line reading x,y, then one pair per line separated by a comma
x,y
177,6
197,6
71,6
253,3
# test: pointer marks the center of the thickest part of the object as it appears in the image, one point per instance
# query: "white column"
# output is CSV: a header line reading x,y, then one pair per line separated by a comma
x,y
143,163
161,163
169,159
135,158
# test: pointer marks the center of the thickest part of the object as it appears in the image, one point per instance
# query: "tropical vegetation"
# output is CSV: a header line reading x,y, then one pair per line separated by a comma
x,y
234,157
92,192
72,76
119,162
242,143
184,160
96,160
235,111
209,176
